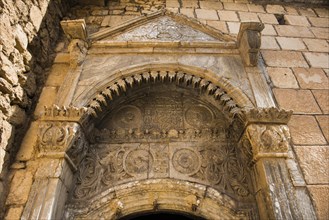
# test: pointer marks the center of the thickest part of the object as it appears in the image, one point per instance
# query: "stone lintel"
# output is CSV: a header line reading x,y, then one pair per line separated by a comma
x,y
75,29
249,41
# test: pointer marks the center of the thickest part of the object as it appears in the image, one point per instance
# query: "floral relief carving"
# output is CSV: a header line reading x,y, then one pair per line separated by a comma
x,y
268,140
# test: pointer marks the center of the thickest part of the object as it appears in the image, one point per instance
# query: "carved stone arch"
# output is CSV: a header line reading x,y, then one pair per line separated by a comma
x,y
161,195
229,96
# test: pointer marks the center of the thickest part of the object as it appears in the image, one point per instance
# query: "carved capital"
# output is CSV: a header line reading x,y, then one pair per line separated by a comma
x,y
62,140
249,41
266,141
56,113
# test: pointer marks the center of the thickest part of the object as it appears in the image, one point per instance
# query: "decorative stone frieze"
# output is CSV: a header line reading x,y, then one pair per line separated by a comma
x,y
249,41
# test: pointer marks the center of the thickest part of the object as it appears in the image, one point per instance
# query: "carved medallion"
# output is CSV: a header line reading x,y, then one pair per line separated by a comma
x,y
54,136
186,161
199,116
138,161
128,117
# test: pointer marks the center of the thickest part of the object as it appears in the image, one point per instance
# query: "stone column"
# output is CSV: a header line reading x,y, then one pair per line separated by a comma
x,y
266,140
61,145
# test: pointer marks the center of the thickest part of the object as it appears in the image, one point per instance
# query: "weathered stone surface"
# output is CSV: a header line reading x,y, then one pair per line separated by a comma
x,y
284,59
320,196
206,14
268,18
247,17
269,30
36,17
57,75
269,43
296,20
311,78
319,22
293,31
324,125
314,161
211,5
219,25
228,16
188,12
233,27
321,97
20,188
287,43
283,78
14,213
275,9
235,6
305,130
17,115
316,45
317,59
190,4
322,33
300,101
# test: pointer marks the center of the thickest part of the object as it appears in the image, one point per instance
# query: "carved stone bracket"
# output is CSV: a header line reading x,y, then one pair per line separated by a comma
x,y
249,41
75,29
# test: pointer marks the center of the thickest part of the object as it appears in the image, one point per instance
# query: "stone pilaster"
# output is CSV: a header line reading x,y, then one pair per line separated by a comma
x,y
266,141
60,146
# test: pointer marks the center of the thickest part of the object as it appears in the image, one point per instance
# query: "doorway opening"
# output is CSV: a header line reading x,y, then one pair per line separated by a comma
x,y
161,216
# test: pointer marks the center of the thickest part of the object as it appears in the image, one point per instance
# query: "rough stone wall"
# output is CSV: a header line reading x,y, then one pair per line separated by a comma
x,y
295,52
28,33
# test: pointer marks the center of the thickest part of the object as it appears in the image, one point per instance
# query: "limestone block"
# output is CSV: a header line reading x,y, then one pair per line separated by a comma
x,y
321,97
172,4
300,101
188,12
317,59
314,161
29,142
322,33
211,5
275,9
269,43
189,3
235,6
49,168
296,20
268,18
284,59
319,22
293,31
305,130
255,8
269,30
311,78
21,38
316,45
6,131
324,125
36,17
288,43
20,188
17,115
228,16
4,103
322,12
291,10
308,12
233,27
14,213
57,74
206,14
7,70
219,25
282,77
247,16
320,196
47,98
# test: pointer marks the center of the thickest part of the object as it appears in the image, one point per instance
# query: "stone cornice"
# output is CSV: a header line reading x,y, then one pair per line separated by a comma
x,y
265,115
